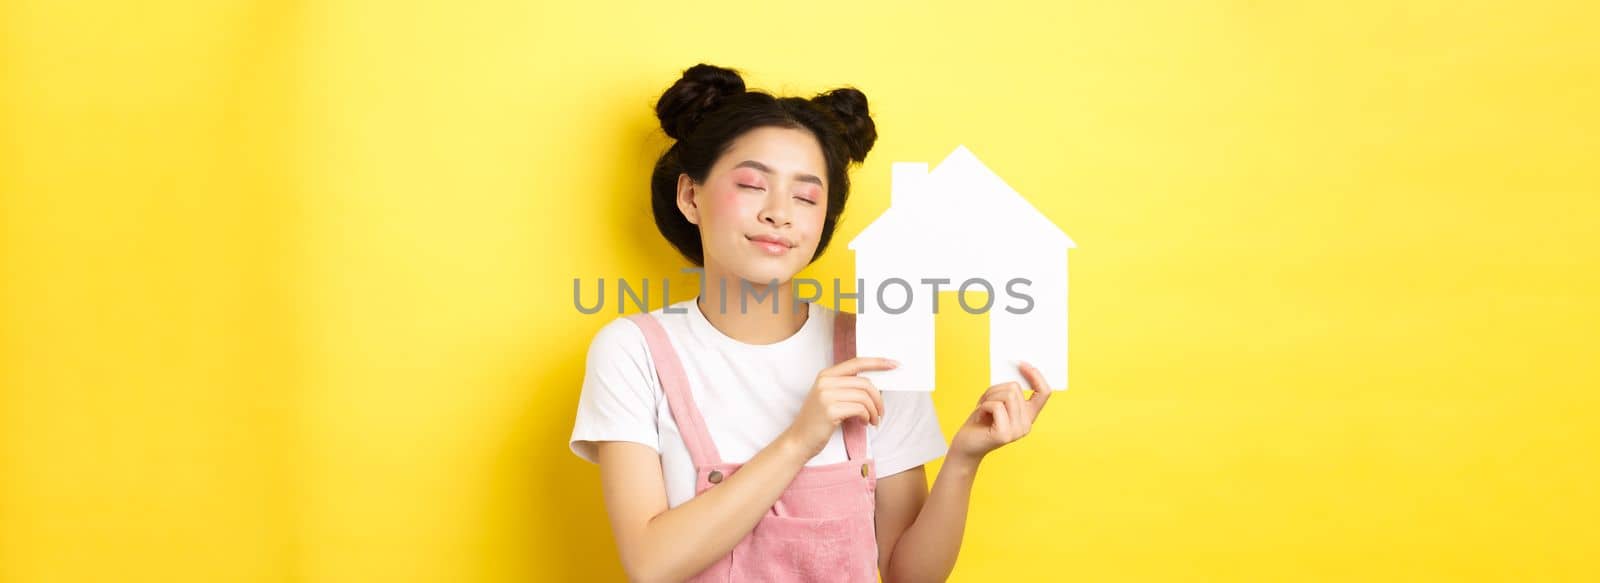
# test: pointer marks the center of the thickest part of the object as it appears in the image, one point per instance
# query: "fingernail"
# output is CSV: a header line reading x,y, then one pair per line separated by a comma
x,y
894,362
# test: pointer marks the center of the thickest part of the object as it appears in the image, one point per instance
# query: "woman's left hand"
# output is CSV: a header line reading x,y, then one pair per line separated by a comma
x,y
1002,416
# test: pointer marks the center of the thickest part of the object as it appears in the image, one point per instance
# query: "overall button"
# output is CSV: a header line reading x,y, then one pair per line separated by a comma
x,y
716,476
863,470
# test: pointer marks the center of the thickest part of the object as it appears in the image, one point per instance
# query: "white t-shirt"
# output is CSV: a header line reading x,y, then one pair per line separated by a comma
x,y
747,393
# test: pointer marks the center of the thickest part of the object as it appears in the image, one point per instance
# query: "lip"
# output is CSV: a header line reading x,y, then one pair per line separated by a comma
x,y
772,244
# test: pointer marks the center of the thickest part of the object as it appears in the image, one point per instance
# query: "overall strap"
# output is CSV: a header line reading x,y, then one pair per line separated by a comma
x,y
844,348
676,386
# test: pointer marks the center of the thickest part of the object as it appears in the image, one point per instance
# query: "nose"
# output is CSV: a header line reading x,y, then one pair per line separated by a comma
x,y
777,210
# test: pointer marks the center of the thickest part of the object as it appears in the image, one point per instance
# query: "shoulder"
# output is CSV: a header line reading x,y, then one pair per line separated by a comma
x,y
832,318
619,332
620,395
618,342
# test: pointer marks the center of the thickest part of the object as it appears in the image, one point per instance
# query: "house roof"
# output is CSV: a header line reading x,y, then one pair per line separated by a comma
x,y
961,199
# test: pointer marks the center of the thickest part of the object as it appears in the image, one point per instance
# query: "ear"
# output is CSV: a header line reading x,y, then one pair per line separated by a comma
x,y
686,199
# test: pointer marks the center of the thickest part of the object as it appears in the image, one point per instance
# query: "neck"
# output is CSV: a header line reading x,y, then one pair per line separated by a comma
x,y
768,314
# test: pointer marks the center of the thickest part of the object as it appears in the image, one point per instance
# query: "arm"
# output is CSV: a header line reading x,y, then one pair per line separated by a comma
x,y
658,544
929,527
926,526
900,497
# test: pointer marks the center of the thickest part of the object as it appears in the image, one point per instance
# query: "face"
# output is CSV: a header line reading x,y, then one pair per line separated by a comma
x,y
761,207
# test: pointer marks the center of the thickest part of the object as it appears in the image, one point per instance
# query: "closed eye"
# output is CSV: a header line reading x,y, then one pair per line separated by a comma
x,y
751,186
807,200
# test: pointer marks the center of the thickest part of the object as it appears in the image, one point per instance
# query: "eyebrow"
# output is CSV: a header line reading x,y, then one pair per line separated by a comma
x,y
763,167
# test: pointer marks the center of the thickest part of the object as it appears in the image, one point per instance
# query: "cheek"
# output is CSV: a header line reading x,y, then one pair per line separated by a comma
x,y
737,206
726,215
724,204
810,223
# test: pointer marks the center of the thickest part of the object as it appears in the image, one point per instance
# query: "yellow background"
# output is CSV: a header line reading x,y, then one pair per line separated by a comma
x,y
287,285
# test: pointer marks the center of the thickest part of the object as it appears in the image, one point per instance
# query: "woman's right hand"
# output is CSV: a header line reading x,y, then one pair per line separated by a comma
x,y
838,394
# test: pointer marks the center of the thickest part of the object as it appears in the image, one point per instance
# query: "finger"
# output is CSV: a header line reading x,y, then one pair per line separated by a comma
x,y
996,391
858,364
863,386
1001,421
860,383
839,411
852,395
1019,415
986,409
1041,389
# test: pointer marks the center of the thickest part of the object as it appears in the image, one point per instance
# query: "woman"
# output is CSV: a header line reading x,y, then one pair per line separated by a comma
x,y
826,479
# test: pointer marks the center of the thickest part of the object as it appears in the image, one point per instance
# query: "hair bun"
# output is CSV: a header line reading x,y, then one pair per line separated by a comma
x,y
849,105
701,89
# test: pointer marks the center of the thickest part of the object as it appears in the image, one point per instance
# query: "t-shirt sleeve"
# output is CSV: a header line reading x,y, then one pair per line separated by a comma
x,y
619,398
909,435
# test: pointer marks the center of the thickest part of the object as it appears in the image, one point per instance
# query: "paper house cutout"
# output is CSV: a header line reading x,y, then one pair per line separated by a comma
x,y
959,222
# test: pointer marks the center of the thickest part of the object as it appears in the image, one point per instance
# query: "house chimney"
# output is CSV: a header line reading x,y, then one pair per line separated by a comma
x,y
906,182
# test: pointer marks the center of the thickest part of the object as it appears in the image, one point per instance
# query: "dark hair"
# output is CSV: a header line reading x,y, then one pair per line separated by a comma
x,y
709,107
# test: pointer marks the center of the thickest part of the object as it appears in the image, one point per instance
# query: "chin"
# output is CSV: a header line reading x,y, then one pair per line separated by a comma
x,y
759,275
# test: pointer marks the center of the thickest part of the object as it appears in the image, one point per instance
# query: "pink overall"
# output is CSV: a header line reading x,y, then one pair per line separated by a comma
x,y
821,528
